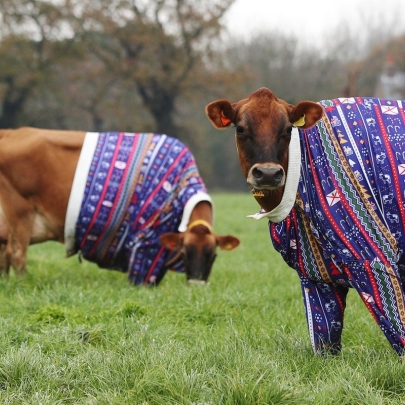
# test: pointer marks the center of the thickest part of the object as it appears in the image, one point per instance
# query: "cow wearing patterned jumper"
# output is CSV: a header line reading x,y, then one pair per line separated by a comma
x,y
330,178
129,202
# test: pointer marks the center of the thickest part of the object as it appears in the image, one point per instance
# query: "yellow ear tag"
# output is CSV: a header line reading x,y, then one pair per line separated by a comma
x,y
300,122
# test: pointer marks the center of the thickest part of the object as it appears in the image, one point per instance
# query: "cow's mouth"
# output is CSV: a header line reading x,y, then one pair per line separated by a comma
x,y
199,283
260,193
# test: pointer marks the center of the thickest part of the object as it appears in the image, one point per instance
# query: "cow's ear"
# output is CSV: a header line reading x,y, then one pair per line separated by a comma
x,y
172,240
220,113
306,114
227,242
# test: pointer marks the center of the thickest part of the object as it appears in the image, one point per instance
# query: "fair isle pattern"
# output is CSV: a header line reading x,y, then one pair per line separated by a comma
x,y
136,189
347,226
311,257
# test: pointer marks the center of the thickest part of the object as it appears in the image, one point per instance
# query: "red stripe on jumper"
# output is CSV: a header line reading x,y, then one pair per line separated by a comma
x,y
119,192
152,266
298,245
156,190
107,180
391,160
376,291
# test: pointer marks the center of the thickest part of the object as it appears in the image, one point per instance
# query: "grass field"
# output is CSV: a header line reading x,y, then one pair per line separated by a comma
x,y
74,334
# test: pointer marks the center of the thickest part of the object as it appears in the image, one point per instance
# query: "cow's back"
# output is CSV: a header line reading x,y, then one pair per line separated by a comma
x,y
36,173
352,185
371,152
351,191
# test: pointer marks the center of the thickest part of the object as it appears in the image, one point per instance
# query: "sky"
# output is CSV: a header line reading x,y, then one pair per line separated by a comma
x,y
311,19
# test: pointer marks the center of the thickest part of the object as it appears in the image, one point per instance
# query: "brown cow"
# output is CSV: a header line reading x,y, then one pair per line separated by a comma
x,y
330,178
37,170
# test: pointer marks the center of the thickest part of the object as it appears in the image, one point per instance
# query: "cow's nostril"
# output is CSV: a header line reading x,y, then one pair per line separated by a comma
x,y
278,176
257,173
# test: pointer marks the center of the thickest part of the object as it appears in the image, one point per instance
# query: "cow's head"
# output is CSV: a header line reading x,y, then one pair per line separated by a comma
x,y
263,131
197,248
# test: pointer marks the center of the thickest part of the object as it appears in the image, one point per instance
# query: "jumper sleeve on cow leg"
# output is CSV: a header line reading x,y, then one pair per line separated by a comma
x,y
380,288
324,306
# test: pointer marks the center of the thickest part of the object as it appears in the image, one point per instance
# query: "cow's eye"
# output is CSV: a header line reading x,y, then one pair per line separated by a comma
x,y
240,130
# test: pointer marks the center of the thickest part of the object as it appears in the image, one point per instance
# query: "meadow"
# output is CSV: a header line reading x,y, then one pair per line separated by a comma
x,y
72,333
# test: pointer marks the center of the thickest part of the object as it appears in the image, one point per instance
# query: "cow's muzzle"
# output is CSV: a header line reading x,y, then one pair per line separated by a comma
x,y
199,283
266,176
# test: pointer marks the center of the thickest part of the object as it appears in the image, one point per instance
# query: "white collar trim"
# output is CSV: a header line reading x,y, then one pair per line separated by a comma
x,y
78,188
291,186
189,207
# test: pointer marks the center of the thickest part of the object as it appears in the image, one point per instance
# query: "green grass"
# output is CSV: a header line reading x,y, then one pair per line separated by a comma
x,y
71,333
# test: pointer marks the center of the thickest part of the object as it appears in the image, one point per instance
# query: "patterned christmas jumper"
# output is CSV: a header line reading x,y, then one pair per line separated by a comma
x,y
129,188
346,226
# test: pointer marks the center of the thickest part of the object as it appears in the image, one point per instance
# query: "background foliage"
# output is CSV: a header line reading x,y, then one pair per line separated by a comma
x,y
153,65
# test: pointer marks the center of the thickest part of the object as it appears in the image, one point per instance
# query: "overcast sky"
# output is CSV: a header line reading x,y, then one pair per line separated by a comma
x,y
311,18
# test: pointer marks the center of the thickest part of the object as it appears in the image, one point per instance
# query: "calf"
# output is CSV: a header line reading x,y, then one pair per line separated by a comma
x,y
129,202
316,169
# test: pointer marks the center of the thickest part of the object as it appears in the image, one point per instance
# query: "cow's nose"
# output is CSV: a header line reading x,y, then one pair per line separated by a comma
x,y
268,176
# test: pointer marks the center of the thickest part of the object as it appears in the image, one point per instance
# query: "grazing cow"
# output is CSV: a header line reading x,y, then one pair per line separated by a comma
x,y
316,170
129,202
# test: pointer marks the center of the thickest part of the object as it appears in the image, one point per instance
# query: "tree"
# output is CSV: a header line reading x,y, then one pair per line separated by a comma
x,y
30,33
159,46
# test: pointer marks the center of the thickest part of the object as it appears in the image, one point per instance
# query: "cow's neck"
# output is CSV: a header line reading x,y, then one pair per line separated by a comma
x,y
201,212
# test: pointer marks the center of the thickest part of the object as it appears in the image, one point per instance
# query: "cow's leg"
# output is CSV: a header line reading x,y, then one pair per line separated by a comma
x,y
381,290
4,260
324,306
17,246
18,214
20,224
